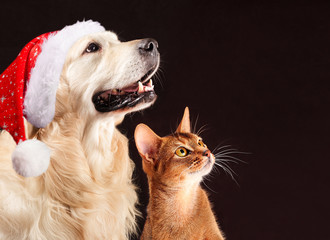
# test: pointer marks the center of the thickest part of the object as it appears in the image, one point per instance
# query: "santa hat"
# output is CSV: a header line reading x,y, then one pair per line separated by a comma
x,y
28,88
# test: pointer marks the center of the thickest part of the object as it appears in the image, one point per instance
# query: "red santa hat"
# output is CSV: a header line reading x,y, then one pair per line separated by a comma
x,y
28,88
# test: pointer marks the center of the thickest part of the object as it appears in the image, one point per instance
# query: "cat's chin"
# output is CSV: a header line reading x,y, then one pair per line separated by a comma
x,y
206,169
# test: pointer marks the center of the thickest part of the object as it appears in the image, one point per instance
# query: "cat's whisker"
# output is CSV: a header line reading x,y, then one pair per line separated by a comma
x,y
226,160
228,151
214,172
195,125
224,154
235,151
234,159
227,170
219,147
201,130
207,185
214,169
227,148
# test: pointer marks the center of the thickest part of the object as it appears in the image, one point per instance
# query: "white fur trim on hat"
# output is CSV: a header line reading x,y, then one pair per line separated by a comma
x,y
40,97
31,158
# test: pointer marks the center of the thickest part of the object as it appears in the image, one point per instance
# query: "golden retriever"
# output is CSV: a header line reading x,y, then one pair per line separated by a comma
x,y
87,192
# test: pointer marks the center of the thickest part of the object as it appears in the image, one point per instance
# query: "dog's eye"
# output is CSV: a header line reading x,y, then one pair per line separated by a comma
x,y
92,47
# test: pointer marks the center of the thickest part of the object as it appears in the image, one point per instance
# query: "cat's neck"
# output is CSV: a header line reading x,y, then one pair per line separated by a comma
x,y
177,203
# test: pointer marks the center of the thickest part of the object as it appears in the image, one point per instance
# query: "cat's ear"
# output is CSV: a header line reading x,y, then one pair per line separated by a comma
x,y
147,142
184,125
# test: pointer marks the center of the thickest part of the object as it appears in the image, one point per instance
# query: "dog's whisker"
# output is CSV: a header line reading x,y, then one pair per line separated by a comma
x,y
157,77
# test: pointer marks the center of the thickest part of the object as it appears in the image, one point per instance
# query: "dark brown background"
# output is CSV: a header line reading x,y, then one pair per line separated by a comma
x,y
257,74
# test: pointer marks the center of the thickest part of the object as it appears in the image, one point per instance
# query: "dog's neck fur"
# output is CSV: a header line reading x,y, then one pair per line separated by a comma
x,y
98,161
97,134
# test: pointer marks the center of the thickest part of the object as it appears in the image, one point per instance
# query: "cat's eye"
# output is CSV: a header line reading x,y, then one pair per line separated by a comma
x,y
200,143
181,152
92,47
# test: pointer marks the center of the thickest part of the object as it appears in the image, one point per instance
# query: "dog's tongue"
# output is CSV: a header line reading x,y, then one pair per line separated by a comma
x,y
131,88
139,87
136,87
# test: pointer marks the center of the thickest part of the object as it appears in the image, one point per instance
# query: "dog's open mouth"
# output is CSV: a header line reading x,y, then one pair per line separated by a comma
x,y
129,96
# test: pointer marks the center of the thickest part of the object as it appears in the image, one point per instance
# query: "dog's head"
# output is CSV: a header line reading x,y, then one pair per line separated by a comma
x,y
103,76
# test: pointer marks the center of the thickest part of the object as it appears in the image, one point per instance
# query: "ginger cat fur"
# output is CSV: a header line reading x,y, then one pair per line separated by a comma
x,y
178,207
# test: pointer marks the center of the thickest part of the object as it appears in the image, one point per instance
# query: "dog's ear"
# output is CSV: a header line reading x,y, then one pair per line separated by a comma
x,y
147,143
184,126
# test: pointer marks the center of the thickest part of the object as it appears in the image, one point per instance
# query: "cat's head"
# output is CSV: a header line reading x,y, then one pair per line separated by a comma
x,y
175,159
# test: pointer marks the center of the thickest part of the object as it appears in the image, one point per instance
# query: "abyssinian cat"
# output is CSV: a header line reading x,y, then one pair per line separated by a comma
x,y
178,207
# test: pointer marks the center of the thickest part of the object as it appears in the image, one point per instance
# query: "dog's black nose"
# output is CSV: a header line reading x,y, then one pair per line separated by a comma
x,y
148,46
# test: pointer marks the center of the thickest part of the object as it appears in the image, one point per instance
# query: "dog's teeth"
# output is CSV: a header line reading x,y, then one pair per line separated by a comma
x,y
150,83
140,90
114,92
147,88
104,95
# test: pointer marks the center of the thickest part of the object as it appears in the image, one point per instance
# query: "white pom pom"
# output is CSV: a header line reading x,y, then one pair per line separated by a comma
x,y
31,158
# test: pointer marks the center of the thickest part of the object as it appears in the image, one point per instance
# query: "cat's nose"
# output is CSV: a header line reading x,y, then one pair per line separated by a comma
x,y
207,153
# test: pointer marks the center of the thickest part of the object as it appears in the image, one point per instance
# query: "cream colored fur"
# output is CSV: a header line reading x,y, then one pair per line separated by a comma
x,y
86,192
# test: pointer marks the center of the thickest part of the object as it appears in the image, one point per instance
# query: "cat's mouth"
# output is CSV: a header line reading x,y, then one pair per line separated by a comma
x,y
205,166
208,164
